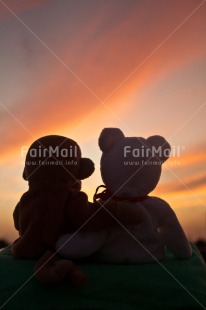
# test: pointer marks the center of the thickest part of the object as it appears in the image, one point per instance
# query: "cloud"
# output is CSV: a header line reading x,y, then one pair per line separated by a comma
x,y
19,6
185,184
103,51
199,182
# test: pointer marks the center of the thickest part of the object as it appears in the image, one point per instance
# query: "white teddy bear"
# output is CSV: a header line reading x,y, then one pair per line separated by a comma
x,y
130,169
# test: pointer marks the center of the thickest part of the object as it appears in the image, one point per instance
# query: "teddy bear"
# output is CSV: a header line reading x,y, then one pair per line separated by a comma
x,y
54,205
130,169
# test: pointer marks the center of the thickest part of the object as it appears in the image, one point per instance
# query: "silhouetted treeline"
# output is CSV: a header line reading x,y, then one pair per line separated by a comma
x,y
3,243
201,247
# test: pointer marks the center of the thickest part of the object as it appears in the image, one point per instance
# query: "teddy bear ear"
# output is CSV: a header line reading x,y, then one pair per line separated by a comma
x,y
108,137
86,168
160,147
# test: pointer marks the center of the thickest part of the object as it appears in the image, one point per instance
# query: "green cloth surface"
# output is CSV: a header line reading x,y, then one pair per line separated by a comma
x,y
173,284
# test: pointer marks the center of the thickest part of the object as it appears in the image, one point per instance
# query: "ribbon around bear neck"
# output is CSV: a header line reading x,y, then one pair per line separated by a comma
x,y
107,194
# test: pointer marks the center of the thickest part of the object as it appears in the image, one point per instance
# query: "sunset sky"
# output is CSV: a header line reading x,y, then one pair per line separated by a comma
x,y
73,67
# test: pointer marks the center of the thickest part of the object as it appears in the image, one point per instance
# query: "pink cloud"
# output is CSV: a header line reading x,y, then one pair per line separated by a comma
x,y
56,98
19,6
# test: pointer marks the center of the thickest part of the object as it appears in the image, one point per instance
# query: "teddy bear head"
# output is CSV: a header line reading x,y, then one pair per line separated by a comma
x,y
56,158
131,166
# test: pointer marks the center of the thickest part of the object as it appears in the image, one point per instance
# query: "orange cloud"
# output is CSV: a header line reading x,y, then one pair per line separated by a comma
x,y
143,54
102,57
189,162
183,185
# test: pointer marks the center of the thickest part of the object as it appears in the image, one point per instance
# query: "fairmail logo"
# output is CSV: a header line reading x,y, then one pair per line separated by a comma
x,y
43,152
145,152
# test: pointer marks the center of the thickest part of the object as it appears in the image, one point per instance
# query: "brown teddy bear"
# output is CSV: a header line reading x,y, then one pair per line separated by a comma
x,y
54,205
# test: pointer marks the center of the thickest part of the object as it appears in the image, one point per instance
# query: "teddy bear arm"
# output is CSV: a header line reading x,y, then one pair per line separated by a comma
x,y
100,218
174,236
113,213
124,211
96,216
81,212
